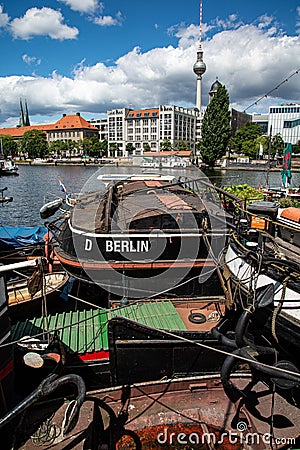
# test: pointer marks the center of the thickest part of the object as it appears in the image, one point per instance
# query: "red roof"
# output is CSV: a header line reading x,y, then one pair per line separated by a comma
x,y
143,113
66,122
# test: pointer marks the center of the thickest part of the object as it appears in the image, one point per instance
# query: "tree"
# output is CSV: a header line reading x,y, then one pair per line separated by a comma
x,y
182,145
166,145
277,145
246,140
113,148
34,144
216,129
130,148
9,147
103,148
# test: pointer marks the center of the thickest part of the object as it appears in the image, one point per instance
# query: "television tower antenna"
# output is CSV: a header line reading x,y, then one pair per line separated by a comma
x,y
199,66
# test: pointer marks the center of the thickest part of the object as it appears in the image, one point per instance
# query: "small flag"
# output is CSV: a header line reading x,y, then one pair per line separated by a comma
x,y
61,185
286,173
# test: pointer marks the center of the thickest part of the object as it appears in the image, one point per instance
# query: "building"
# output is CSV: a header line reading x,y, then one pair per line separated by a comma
x,y
283,120
262,120
73,127
148,129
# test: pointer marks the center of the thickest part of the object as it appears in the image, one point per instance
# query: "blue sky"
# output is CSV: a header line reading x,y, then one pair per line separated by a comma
x,y
67,56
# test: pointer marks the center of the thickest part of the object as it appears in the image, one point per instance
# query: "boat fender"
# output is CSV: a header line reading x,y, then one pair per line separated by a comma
x,y
197,318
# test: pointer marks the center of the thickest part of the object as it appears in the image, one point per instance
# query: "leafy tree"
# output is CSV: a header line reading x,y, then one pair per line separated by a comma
x,y
182,145
130,147
166,145
103,148
245,140
216,129
9,147
277,145
58,147
113,148
34,144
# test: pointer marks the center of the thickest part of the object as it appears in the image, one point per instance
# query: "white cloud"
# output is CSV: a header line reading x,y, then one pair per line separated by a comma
x,y
250,60
83,6
109,21
4,18
30,59
42,22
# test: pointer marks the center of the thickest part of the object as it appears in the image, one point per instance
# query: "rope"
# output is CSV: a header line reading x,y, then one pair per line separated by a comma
x,y
278,309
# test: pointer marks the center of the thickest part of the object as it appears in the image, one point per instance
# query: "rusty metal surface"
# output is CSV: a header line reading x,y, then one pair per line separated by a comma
x,y
191,413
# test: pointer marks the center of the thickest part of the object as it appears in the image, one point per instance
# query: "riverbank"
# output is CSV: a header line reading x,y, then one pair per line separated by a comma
x,y
129,162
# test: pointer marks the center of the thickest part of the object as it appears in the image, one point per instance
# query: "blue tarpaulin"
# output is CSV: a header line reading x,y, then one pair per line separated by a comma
x,y
22,236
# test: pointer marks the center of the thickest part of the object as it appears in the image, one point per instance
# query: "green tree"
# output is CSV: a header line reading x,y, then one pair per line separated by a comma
x,y
277,145
113,148
216,129
58,147
34,144
103,148
166,145
9,147
245,140
182,145
130,148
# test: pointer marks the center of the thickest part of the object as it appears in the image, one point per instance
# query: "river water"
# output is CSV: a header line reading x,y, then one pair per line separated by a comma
x,y
37,185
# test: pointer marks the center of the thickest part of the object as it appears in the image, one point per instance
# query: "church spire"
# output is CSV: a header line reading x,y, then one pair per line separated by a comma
x,y
27,121
21,120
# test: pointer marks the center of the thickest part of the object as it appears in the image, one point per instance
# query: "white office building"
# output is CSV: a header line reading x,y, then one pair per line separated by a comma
x,y
148,128
285,120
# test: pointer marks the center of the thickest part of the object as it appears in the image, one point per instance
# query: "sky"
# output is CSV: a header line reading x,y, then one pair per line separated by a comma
x,y
88,56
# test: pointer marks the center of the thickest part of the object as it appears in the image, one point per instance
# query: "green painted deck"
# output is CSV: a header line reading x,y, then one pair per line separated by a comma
x,y
86,331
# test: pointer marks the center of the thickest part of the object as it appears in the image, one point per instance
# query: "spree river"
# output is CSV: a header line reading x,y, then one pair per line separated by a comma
x,y
37,185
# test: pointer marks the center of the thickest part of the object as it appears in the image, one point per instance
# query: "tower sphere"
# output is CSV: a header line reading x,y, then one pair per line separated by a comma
x,y
199,67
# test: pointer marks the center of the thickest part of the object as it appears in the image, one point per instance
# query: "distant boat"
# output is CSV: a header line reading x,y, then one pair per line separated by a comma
x,y
166,162
8,167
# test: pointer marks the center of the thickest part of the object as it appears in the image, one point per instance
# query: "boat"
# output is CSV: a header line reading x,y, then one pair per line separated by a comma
x,y
142,234
262,253
209,385
8,167
6,352
97,341
165,162
3,199
22,243
232,407
29,296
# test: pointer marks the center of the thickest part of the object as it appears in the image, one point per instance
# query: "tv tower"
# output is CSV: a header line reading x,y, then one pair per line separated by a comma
x,y
199,66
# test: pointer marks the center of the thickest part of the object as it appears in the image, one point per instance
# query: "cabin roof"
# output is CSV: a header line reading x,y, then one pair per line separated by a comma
x,y
291,213
86,331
